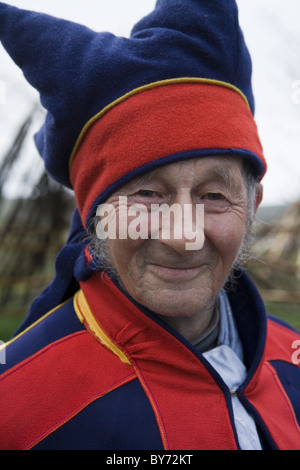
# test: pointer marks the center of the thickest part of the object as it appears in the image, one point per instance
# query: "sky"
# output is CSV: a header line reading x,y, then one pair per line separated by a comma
x,y
272,33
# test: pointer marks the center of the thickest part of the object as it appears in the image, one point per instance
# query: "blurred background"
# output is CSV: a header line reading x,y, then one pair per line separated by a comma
x,y
35,212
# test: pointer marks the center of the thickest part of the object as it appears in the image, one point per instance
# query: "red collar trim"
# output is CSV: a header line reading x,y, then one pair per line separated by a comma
x,y
174,385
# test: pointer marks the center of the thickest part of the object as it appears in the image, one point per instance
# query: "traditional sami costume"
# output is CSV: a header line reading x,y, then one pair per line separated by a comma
x,y
90,368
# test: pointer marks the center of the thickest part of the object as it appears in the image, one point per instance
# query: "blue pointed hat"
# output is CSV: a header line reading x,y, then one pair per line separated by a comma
x,y
179,87
81,75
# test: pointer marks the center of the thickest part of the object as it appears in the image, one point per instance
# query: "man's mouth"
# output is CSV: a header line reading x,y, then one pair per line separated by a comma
x,y
169,273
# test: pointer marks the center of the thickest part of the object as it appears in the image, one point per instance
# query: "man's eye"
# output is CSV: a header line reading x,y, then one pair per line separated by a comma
x,y
146,193
214,202
214,197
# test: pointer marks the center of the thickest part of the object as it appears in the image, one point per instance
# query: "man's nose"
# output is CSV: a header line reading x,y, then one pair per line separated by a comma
x,y
182,225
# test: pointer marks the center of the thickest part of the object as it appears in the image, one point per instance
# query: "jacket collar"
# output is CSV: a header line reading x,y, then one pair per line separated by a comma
x,y
134,326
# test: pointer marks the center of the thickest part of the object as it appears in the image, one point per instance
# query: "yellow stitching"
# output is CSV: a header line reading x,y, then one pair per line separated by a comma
x,y
150,86
33,325
85,314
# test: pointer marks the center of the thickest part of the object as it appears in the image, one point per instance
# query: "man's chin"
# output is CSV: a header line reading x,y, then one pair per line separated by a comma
x,y
179,302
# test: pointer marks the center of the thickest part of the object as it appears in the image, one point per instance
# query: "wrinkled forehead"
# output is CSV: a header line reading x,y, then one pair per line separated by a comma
x,y
188,173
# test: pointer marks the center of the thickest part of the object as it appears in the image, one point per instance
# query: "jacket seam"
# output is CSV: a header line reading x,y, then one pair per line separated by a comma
x,y
80,408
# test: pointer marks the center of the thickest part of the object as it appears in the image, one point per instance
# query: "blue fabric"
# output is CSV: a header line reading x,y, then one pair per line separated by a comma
x,y
290,378
62,322
123,419
78,71
243,293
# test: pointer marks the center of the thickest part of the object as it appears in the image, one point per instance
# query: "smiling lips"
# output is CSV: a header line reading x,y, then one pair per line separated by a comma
x,y
169,273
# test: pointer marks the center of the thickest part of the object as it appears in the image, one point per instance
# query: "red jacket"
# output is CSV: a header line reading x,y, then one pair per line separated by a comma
x,y
100,372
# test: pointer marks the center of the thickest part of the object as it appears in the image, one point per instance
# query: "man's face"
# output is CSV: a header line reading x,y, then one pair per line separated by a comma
x,y
162,274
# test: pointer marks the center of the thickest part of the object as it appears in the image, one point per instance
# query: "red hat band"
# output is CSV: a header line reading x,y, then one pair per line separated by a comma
x,y
158,124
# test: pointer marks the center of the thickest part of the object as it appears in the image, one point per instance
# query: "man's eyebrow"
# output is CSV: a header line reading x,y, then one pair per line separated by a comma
x,y
223,174
144,178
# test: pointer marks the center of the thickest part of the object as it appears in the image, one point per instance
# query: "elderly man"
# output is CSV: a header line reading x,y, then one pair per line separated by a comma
x,y
149,338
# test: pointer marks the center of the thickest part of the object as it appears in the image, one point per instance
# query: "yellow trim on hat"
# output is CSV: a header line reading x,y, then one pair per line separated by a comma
x,y
150,86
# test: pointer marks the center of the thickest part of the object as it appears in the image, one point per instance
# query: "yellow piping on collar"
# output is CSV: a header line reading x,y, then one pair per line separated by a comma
x,y
150,86
86,317
3,346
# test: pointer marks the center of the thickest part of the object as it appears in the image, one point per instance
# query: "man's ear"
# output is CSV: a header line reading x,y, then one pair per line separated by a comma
x,y
259,195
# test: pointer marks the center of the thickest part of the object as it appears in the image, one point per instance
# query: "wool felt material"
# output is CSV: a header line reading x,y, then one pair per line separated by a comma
x,y
183,401
166,122
75,354
79,72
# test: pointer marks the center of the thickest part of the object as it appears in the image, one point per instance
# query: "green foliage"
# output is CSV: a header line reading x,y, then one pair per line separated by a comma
x,y
288,312
8,326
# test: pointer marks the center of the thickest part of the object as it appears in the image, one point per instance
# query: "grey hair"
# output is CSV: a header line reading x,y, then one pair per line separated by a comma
x,y
250,180
99,250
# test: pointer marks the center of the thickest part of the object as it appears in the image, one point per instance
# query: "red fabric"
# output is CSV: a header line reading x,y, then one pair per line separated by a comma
x,y
156,123
60,392
36,398
87,255
267,394
279,342
272,403
181,391
180,388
